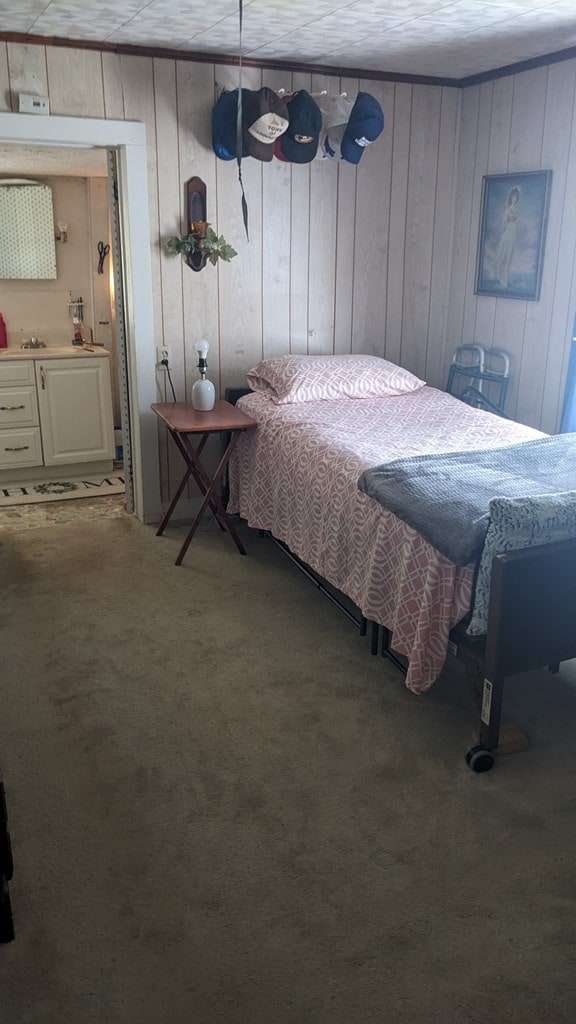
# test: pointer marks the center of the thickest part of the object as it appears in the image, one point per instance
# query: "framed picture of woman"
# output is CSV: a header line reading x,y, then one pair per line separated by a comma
x,y
513,219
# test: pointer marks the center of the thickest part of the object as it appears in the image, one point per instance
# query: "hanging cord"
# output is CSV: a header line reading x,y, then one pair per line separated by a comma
x,y
167,368
239,123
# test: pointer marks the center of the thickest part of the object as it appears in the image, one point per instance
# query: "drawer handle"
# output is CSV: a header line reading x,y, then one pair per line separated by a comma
x,y
43,378
11,408
22,448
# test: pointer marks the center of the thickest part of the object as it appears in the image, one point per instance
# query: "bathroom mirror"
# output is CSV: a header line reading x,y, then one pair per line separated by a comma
x,y
27,246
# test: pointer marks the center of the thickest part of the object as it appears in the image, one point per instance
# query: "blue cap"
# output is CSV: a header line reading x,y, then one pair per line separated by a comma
x,y
299,142
224,114
364,126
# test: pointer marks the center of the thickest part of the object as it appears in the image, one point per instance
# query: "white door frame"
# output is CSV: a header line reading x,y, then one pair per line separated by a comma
x,y
129,139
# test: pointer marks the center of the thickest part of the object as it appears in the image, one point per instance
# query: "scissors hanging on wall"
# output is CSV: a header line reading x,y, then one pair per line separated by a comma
x,y
103,251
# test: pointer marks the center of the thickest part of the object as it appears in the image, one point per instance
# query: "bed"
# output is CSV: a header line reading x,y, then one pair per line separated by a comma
x,y
323,422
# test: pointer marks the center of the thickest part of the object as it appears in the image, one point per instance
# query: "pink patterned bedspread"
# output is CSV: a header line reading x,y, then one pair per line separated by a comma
x,y
296,476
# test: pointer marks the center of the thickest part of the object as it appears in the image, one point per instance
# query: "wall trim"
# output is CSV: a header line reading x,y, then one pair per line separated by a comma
x,y
202,57
523,65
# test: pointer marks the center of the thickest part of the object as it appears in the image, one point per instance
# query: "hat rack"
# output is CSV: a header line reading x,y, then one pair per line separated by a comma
x,y
314,95
218,90
324,123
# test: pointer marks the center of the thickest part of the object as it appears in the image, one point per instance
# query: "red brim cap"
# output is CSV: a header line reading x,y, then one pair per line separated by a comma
x,y
278,152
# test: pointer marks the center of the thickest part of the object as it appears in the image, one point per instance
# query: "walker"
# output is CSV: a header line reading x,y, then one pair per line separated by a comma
x,y
476,373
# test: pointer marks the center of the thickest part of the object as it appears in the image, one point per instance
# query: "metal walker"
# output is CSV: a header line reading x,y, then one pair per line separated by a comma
x,y
475,379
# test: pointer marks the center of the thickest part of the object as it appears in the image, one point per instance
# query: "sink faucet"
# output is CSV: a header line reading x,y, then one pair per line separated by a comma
x,y
34,343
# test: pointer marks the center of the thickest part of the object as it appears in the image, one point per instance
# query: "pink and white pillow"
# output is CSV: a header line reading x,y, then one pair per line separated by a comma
x,y
291,379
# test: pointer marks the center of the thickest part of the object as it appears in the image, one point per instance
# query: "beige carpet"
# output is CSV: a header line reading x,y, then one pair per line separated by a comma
x,y
224,810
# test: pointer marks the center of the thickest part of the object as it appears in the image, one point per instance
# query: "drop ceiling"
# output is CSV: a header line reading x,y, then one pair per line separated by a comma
x,y
435,38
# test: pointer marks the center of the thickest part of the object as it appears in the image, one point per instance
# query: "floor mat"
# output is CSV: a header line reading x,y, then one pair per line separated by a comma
x,y
61,488
58,513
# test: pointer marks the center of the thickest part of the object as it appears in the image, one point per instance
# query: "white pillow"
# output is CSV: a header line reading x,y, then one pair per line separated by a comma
x,y
290,379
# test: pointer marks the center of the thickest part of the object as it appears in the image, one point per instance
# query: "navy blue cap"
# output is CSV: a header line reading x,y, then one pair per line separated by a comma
x,y
224,115
299,142
365,125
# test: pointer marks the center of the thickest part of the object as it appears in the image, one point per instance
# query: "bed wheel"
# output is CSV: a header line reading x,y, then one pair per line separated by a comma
x,y
480,759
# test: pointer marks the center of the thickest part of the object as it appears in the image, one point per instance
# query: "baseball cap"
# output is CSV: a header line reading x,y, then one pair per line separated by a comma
x,y
264,117
364,126
335,112
299,142
224,115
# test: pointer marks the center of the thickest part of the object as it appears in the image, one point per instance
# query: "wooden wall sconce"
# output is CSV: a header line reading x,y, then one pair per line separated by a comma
x,y
196,214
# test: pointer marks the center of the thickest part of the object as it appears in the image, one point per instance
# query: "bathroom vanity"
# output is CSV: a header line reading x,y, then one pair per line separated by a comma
x,y
55,410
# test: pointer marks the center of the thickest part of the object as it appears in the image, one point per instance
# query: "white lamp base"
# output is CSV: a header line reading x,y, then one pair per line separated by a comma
x,y
203,395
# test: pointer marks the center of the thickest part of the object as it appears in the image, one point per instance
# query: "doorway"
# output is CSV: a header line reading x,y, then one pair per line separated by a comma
x,y
65,311
128,141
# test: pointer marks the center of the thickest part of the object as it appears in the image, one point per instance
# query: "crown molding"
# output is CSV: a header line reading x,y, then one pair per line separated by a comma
x,y
202,57
517,69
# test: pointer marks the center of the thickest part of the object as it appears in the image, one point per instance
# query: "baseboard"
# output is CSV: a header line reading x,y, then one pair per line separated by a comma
x,y
185,512
72,471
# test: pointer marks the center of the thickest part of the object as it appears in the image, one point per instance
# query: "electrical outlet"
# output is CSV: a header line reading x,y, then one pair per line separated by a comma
x,y
162,355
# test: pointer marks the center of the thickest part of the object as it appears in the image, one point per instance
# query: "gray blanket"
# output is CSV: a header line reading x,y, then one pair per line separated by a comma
x,y
446,497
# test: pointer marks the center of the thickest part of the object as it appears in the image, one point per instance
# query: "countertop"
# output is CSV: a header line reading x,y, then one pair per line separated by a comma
x,y
52,352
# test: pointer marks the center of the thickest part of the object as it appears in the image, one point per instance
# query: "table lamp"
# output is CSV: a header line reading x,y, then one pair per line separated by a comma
x,y
203,393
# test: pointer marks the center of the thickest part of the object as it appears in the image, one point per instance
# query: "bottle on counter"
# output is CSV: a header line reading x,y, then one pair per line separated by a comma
x,y
78,338
3,333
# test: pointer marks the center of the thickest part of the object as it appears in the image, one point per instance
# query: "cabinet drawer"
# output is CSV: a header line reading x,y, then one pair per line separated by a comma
x,y
21,447
17,371
18,407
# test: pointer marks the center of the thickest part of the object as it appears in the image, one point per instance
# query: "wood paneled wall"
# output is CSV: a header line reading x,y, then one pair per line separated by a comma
x,y
379,258
522,123
340,259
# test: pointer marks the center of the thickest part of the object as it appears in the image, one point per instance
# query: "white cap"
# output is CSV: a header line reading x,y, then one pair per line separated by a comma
x,y
336,112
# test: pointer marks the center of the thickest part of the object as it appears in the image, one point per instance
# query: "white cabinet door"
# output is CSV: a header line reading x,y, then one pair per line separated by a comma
x,y
75,404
